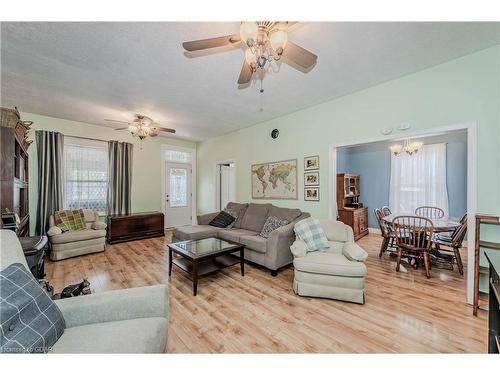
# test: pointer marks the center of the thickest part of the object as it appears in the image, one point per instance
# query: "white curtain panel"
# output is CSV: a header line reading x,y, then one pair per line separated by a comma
x,y
85,174
419,180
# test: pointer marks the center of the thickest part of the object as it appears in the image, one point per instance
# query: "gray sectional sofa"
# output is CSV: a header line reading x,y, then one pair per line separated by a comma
x,y
272,253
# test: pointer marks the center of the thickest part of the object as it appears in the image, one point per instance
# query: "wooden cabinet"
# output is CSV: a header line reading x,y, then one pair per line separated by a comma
x,y
135,226
14,167
350,210
357,219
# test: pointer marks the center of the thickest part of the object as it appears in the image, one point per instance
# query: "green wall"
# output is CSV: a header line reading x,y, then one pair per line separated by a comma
x,y
459,91
146,175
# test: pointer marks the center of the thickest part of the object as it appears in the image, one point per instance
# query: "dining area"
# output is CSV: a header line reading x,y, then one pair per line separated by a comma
x,y
423,238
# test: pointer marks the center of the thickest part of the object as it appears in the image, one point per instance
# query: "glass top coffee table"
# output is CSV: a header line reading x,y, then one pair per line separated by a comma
x,y
203,257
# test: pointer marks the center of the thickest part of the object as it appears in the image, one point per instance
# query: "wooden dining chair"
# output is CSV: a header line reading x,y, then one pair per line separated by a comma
x,y
386,211
451,252
388,235
429,212
413,239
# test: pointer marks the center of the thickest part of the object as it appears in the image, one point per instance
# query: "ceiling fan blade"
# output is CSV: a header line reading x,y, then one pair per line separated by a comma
x,y
166,130
159,128
118,121
197,45
245,74
299,55
121,129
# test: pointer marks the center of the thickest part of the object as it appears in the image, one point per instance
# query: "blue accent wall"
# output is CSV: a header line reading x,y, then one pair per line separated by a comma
x,y
373,163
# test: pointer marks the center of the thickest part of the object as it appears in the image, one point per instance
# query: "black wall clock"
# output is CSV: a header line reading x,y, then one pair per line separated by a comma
x,y
275,133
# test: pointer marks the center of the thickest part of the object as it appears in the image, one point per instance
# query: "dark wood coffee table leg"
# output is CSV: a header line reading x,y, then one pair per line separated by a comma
x,y
170,254
195,277
242,261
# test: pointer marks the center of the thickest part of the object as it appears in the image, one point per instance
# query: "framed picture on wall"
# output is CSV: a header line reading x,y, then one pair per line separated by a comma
x,y
311,194
311,163
311,178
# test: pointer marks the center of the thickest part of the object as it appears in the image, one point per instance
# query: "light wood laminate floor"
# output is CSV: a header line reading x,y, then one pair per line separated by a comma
x,y
258,313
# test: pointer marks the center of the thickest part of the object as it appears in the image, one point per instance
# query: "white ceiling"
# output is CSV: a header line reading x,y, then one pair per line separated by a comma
x,y
91,71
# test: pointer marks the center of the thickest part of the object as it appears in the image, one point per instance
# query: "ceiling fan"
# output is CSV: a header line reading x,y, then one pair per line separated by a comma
x,y
142,127
265,41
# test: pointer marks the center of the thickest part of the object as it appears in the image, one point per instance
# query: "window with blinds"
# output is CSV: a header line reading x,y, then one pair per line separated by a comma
x,y
85,174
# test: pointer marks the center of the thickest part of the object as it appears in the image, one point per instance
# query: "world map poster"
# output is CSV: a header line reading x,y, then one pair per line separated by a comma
x,y
275,180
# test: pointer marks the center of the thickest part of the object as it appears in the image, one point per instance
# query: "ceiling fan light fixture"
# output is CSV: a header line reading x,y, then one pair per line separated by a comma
x,y
278,41
249,32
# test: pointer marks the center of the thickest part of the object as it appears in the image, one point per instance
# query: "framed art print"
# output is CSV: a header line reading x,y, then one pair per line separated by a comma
x,y
311,163
311,194
311,178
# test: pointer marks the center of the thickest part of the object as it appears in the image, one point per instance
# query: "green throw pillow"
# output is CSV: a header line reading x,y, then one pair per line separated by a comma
x,y
70,220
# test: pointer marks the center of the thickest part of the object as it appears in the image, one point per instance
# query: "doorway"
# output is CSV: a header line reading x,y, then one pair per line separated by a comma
x,y
178,186
471,181
225,190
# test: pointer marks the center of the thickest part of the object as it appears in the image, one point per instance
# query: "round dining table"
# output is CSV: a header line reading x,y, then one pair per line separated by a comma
x,y
440,225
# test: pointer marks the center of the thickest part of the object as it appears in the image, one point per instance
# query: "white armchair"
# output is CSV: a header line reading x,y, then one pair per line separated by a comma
x,y
73,243
337,272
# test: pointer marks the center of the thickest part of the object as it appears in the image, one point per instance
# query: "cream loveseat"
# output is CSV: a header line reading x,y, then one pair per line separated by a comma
x,y
337,272
272,253
120,321
73,243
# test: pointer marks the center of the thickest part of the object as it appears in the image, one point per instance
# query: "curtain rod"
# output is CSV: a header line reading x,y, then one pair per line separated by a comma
x,y
89,139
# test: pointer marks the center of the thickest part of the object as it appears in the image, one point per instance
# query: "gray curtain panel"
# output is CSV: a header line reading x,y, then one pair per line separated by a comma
x,y
50,177
120,177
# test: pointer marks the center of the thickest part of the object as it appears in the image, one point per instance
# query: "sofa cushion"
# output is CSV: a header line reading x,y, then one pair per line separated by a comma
x,y
142,335
30,322
288,214
222,220
234,234
70,220
79,235
272,223
241,209
309,230
329,264
255,242
255,216
195,232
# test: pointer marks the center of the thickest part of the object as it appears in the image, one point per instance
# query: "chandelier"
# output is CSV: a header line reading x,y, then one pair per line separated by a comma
x,y
409,147
142,127
265,43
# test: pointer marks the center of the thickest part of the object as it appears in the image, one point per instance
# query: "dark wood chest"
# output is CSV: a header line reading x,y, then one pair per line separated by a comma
x,y
135,226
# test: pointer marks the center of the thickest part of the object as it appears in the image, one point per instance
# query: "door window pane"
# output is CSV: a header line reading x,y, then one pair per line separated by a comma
x,y
178,187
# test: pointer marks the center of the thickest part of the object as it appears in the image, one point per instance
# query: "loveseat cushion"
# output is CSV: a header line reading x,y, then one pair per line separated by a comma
x,y
255,242
255,216
288,214
143,335
241,209
79,235
329,264
234,234
195,232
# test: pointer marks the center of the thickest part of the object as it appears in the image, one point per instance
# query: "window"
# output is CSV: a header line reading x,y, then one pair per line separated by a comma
x,y
419,179
85,174
178,156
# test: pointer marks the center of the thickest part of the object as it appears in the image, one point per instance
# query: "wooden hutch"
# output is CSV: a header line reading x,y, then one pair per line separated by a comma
x,y
14,167
349,208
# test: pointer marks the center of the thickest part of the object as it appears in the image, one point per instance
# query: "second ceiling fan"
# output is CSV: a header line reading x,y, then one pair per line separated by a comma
x,y
266,41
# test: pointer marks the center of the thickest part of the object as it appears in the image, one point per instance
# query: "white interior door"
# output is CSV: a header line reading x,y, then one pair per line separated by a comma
x,y
178,197
226,184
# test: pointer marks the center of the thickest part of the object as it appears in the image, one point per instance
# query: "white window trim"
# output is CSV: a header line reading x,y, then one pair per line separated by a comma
x,y
194,196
